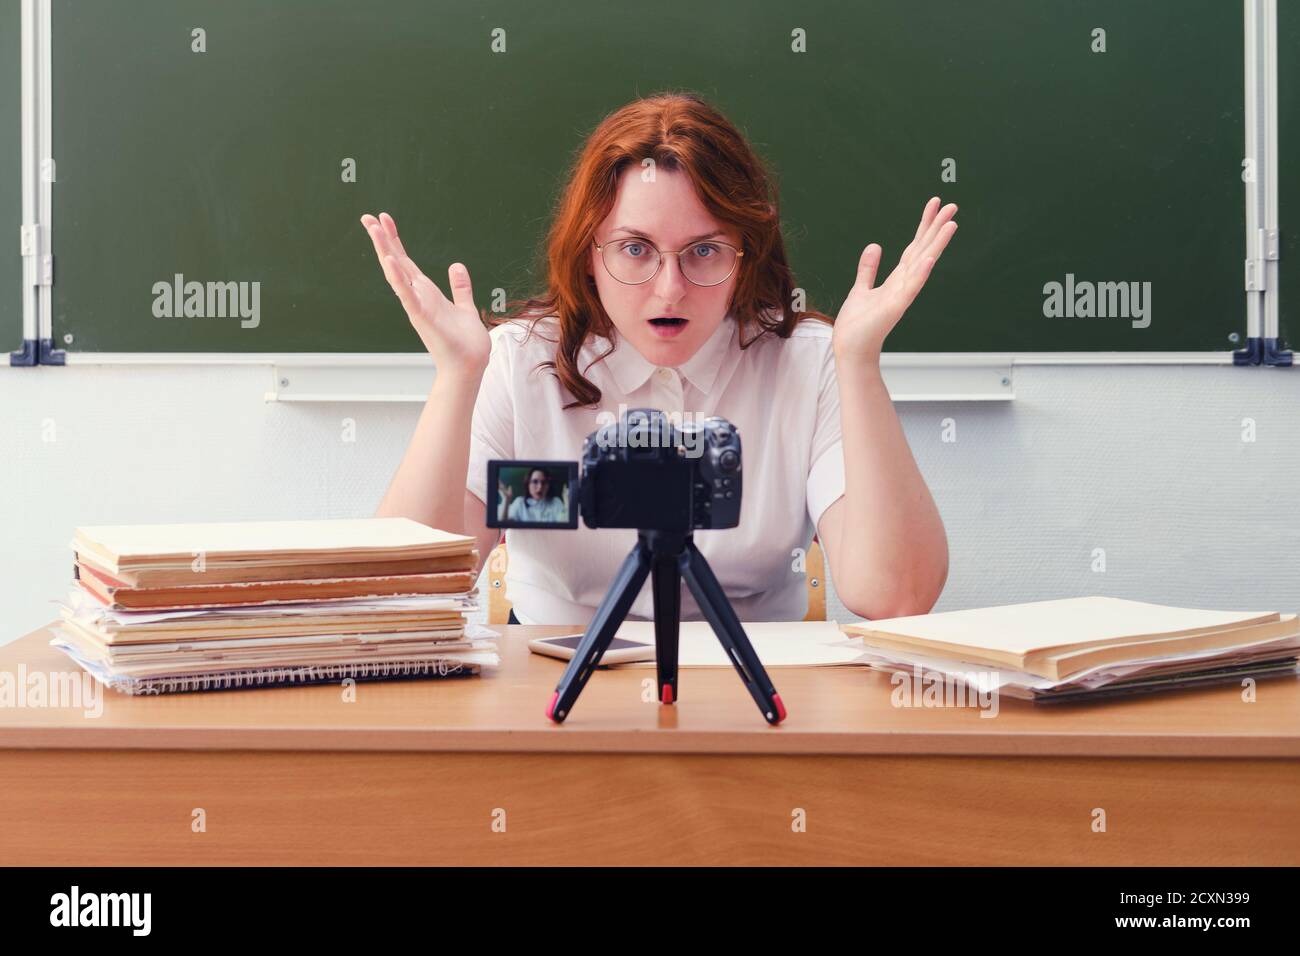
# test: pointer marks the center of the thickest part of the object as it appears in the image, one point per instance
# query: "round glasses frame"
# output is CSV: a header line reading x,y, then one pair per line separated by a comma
x,y
600,249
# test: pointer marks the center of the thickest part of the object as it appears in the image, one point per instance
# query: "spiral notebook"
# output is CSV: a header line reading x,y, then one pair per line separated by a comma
x,y
458,663
288,676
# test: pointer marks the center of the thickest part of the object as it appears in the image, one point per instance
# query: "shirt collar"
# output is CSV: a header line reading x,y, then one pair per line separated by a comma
x,y
631,369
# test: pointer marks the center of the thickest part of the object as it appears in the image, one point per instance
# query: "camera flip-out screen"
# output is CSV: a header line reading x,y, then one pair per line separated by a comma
x,y
532,494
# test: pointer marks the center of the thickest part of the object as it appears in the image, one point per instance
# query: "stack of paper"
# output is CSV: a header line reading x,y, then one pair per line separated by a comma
x,y
162,608
1083,648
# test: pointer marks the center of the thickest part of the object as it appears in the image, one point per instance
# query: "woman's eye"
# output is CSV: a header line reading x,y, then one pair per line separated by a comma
x,y
705,250
628,248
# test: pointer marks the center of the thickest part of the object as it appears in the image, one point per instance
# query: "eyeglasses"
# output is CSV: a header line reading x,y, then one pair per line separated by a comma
x,y
537,481
634,261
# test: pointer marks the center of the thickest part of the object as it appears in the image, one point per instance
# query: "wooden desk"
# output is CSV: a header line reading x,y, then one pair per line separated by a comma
x,y
412,773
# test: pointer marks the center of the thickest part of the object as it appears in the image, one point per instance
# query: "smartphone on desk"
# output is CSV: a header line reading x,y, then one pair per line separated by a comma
x,y
620,651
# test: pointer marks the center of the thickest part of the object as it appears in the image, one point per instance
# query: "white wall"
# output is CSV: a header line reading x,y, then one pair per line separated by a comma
x,y
1147,462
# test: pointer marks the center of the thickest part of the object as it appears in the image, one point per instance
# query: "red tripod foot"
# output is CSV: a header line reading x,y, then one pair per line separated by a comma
x,y
780,708
667,696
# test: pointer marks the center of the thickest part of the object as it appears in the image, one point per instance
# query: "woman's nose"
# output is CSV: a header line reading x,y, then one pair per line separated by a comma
x,y
670,284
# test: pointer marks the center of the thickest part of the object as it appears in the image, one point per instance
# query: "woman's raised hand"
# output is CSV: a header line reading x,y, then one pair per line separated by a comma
x,y
450,329
870,312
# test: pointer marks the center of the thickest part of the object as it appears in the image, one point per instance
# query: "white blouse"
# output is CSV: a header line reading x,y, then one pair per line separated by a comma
x,y
781,395
526,509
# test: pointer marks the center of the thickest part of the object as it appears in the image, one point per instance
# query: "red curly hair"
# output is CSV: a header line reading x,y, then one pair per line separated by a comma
x,y
679,131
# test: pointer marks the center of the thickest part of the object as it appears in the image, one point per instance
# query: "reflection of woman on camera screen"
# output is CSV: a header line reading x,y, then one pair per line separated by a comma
x,y
540,502
667,286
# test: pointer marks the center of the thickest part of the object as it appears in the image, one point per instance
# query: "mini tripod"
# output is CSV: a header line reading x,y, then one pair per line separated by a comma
x,y
671,555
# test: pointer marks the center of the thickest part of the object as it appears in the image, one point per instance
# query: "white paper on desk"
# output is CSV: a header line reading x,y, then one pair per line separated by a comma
x,y
777,643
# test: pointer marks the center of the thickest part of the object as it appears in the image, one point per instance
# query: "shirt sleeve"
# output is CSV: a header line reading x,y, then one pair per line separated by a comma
x,y
826,472
492,430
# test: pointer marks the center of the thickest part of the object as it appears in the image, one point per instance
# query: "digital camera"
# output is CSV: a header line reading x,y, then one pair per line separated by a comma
x,y
642,471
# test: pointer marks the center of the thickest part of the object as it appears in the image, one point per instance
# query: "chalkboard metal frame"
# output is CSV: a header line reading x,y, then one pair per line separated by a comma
x,y
34,197
12,330
1262,233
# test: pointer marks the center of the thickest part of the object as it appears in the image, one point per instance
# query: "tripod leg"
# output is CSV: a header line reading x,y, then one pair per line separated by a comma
x,y
604,624
667,583
720,614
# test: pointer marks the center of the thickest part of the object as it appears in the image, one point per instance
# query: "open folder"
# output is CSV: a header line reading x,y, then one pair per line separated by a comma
x,y
1056,639
1077,647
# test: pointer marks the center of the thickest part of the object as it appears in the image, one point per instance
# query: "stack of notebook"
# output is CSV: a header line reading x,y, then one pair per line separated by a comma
x,y
1084,648
162,608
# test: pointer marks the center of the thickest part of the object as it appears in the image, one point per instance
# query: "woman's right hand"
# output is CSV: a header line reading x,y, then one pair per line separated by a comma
x,y
450,329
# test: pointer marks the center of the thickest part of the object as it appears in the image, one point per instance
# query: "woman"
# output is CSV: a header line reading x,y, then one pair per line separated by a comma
x,y
668,287
537,504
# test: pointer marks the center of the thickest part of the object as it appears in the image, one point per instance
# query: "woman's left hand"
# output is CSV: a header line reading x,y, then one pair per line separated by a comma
x,y
868,315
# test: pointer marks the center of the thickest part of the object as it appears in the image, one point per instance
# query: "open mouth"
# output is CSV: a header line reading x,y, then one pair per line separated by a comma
x,y
667,327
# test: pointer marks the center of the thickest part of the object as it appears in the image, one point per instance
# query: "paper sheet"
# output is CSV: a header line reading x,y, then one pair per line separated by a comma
x,y
777,643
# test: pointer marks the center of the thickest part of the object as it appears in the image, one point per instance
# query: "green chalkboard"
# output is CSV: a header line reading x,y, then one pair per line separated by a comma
x,y
1288,180
11,179
225,165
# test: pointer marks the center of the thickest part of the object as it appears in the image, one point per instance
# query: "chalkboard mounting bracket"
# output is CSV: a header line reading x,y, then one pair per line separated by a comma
x,y
1255,281
1263,350
50,355
1275,354
1268,243
38,352
29,239
1252,354
26,355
